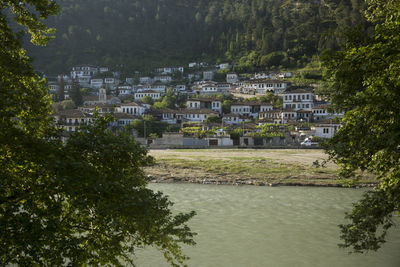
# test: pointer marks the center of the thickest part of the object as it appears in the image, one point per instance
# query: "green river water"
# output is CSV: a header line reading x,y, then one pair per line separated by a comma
x,y
269,226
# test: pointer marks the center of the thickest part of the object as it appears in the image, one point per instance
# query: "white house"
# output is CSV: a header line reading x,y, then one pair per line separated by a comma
x,y
103,69
266,107
250,108
124,119
274,116
231,119
161,88
179,88
83,71
96,83
101,108
204,103
124,89
326,129
163,79
298,99
223,66
208,75
169,70
186,115
72,119
145,80
84,81
110,82
131,108
102,98
262,86
153,94
232,77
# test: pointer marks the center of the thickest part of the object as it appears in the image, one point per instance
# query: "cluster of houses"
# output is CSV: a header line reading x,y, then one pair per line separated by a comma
x,y
124,101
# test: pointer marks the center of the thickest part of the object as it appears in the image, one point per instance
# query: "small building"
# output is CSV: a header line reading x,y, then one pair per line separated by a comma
x,y
101,108
83,71
232,77
204,103
250,108
124,119
263,86
186,115
298,99
96,83
72,119
208,75
124,89
326,129
163,79
102,98
132,108
151,93
145,80
232,119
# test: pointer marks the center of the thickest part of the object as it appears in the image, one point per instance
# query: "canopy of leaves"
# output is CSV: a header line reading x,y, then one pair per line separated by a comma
x,y
363,80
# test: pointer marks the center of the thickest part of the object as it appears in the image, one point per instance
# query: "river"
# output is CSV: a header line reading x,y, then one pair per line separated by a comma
x,y
269,226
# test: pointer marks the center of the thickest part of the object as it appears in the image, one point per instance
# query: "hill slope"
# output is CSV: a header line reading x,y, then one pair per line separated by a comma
x,y
139,34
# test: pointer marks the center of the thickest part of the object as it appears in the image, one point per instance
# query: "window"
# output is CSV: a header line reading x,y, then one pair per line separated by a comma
x,y
325,130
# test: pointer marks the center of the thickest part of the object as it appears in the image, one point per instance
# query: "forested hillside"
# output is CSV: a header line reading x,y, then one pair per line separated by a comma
x,y
138,34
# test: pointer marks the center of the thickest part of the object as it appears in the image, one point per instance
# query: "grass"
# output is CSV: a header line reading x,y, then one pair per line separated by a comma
x,y
260,166
245,166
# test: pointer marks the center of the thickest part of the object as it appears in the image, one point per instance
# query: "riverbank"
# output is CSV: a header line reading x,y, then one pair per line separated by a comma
x,y
263,167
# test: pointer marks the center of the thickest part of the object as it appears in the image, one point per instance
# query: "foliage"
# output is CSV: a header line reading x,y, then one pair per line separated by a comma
x,y
63,105
255,35
226,106
213,119
363,80
146,127
268,98
271,130
83,202
148,100
75,93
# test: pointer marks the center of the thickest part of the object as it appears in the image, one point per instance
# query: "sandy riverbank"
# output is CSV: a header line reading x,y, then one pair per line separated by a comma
x,y
245,166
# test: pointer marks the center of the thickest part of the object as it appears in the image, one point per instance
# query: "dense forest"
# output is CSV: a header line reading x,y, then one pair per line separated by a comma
x,y
132,35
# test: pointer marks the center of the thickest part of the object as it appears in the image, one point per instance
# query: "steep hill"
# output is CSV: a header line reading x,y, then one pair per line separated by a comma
x,y
139,34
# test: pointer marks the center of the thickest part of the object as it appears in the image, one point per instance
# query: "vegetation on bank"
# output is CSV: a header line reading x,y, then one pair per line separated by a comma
x,y
240,166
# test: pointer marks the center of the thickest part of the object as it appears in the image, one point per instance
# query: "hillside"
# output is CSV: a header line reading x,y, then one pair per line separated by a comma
x,y
139,34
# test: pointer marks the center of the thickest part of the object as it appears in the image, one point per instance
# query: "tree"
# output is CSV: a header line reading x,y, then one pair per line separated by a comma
x,y
82,202
75,93
363,80
148,100
61,88
213,119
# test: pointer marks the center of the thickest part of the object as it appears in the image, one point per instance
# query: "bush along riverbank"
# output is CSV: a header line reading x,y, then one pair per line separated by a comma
x,y
296,167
